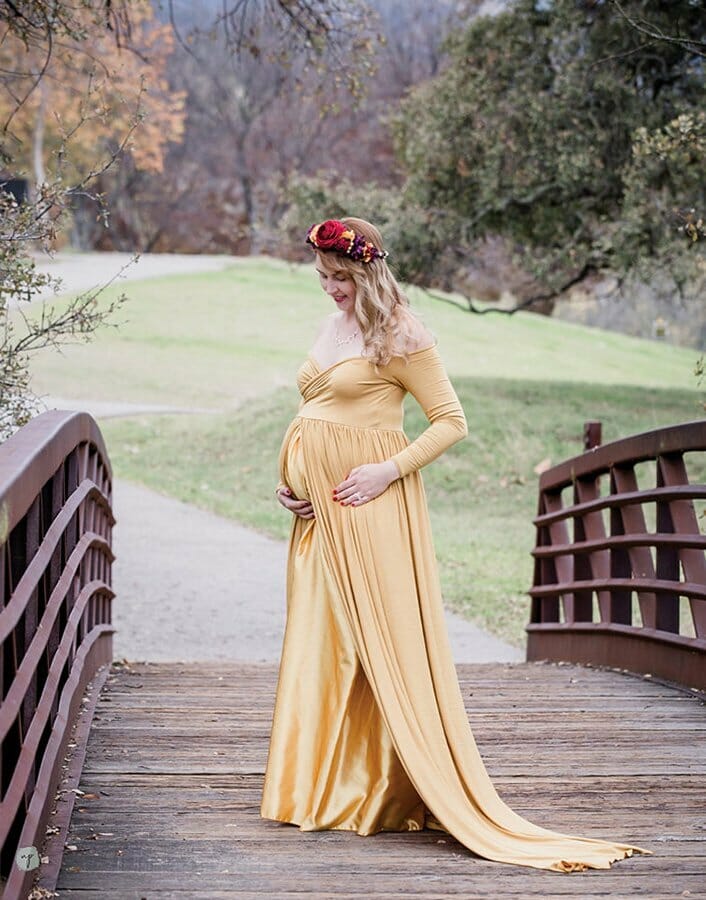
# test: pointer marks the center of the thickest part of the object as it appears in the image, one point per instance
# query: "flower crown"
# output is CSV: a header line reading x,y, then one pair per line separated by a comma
x,y
333,235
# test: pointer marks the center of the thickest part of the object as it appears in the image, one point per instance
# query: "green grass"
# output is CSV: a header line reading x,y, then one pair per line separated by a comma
x,y
231,341
214,340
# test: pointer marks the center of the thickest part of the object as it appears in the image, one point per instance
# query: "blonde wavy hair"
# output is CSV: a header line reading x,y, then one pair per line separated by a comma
x,y
381,308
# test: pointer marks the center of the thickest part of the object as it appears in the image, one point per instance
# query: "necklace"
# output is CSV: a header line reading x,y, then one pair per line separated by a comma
x,y
340,342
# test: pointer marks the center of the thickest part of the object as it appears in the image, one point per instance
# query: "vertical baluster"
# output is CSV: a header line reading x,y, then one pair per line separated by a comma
x,y
73,531
14,647
667,618
30,622
551,570
588,566
109,537
636,561
72,477
684,521
56,565
93,475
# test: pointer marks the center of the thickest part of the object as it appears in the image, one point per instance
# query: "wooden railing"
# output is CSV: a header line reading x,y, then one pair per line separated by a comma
x,y
620,572
55,613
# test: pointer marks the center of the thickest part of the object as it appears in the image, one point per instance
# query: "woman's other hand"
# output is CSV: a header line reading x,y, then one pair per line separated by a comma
x,y
365,483
302,508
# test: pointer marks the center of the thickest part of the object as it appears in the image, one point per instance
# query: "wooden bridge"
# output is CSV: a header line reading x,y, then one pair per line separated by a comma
x,y
143,780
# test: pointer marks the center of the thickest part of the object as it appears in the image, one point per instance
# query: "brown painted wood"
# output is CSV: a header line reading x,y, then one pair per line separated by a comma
x,y
54,617
660,570
173,775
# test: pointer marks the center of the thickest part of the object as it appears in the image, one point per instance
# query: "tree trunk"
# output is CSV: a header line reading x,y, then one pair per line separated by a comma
x,y
40,175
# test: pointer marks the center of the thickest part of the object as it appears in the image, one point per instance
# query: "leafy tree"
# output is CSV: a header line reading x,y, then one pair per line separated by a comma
x,y
570,130
89,94
575,134
66,70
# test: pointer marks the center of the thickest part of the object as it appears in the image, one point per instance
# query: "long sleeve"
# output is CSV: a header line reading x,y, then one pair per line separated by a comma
x,y
425,378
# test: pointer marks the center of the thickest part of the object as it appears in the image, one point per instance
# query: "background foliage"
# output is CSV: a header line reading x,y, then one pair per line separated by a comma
x,y
571,133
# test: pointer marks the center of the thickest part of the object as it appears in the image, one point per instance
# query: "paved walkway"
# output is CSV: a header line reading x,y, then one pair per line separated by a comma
x,y
192,585
84,271
109,409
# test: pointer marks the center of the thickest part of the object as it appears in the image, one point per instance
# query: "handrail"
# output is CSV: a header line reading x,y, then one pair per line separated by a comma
x,y
607,589
55,615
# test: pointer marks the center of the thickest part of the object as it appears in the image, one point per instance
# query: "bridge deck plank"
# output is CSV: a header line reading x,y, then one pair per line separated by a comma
x,y
176,757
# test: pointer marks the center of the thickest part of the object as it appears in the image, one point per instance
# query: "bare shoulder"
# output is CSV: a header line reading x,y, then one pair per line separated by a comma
x,y
418,335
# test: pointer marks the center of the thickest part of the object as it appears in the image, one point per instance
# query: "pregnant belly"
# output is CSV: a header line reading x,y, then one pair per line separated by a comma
x,y
291,461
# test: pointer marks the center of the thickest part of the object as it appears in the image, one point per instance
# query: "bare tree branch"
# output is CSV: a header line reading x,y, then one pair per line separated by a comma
x,y
656,34
470,306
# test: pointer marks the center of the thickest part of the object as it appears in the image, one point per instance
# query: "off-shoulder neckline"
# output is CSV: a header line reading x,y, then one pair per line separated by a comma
x,y
346,359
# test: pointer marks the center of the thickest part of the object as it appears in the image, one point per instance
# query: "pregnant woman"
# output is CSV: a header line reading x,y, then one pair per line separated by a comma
x,y
370,732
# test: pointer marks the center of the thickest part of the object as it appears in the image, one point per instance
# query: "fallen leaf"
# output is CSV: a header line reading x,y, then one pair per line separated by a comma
x,y
542,466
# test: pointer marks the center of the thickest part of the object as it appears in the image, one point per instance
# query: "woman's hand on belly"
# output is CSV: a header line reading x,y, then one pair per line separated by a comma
x,y
301,508
365,483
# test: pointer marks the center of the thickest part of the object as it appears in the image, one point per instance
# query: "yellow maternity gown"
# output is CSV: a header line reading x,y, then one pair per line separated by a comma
x,y
370,731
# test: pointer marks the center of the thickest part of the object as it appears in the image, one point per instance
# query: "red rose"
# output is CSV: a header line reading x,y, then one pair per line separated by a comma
x,y
327,234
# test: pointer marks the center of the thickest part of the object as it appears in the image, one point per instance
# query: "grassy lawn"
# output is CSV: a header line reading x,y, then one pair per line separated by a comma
x,y
231,341
213,340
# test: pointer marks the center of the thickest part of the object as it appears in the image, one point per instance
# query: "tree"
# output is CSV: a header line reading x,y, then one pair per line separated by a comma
x,y
322,32
562,127
257,122
48,50
80,103
568,134
99,84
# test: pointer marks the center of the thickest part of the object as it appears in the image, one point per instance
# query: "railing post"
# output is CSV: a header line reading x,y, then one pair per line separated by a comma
x,y
592,432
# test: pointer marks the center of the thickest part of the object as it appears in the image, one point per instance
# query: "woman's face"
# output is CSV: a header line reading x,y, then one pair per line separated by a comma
x,y
339,286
